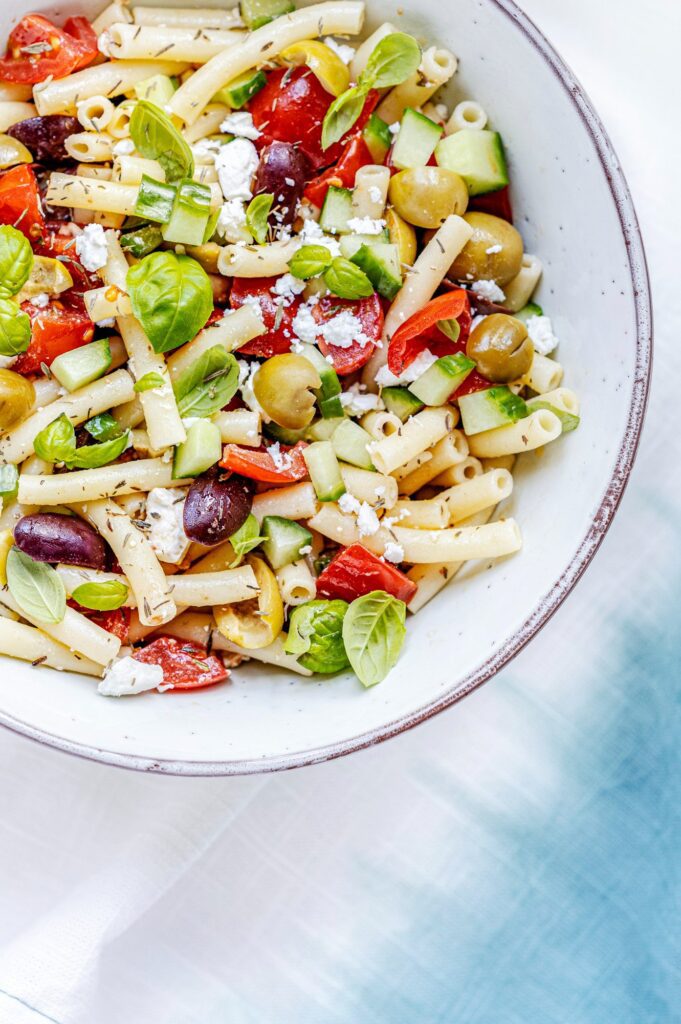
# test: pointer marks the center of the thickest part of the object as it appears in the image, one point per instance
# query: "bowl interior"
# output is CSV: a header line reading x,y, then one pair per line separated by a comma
x,y
567,215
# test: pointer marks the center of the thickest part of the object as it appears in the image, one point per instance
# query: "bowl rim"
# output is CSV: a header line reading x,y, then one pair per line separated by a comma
x,y
586,550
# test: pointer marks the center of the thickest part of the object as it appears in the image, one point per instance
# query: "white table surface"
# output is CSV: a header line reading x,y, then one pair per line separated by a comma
x,y
510,862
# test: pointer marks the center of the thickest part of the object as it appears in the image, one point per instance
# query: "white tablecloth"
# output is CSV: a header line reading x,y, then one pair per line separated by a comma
x,y
514,861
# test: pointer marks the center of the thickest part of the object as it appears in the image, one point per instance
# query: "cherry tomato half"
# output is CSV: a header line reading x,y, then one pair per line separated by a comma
x,y
20,201
37,49
356,572
370,314
55,329
186,665
278,338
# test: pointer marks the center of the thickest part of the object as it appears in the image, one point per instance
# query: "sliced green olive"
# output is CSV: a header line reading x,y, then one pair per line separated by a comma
x,y
284,387
17,396
494,252
426,196
501,347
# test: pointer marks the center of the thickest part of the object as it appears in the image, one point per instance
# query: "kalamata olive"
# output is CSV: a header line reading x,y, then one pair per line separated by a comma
x,y
216,506
45,136
17,396
52,537
282,171
284,388
494,252
501,348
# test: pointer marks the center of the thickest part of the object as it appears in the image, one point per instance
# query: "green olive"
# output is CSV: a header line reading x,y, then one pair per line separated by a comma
x,y
501,348
283,385
17,396
426,196
481,259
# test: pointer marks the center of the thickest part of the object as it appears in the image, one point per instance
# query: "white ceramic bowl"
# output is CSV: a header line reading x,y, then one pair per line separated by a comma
x,y
574,210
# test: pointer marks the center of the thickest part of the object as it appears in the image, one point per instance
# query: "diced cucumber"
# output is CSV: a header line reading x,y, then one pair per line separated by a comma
x,y
569,420
378,138
478,156
417,139
350,442
401,403
9,482
240,90
82,365
201,450
336,211
495,407
441,379
322,465
190,213
283,540
528,311
284,434
158,89
349,244
141,241
327,395
322,430
255,13
380,261
155,200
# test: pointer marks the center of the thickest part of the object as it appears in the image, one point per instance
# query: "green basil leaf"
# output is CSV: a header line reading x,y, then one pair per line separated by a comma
x,y
373,633
345,279
156,137
101,597
342,114
394,59
208,384
310,261
172,298
36,587
245,539
103,427
57,441
15,328
450,328
149,382
16,260
92,456
316,635
256,216
9,482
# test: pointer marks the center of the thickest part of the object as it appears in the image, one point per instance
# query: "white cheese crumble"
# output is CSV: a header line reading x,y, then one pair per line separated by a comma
x,y
91,247
206,149
231,224
236,164
344,330
366,225
357,404
287,287
312,234
349,504
282,460
367,521
305,325
126,676
375,194
247,372
494,249
240,123
393,552
165,506
346,53
425,359
394,127
489,290
124,147
41,300
540,330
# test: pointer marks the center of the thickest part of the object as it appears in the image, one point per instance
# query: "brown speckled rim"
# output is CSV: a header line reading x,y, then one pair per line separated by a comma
x,y
582,557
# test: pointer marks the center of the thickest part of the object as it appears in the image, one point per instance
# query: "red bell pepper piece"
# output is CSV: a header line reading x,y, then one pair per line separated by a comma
x,y
258,464
496,203
421,332
186,665
356,572
20,201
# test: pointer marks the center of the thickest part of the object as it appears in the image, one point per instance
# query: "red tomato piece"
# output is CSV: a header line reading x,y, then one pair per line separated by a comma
x,y
186,665
473,382
278,338
20,201
56,328
36,49
420,331
496,203
116,622
258,464
342,174
356,572
370,314
81,30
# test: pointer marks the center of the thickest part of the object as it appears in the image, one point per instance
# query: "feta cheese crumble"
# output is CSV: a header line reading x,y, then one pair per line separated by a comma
x,y
357,404
287,287
305,325
375,194
493,249
231,224
366,225
126,676
393,552
540,330
343,330
124,147
240,123
41,300
282,460
91,247
166,535
206,149
247,372
425,359
312,234
346,53
394,127
489,290
236,164
367,521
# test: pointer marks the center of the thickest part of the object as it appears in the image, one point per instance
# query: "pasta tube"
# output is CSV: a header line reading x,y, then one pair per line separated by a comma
x,y
30,644
75,631
114,78
537,429
419,433
95,484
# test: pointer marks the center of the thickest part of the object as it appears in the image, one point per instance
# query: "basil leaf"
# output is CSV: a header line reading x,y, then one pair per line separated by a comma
x,y
373,633
57,441
92,456
172,298
101,597
9,482
103,427
256,216
394,59
15,328
346,280
310,261
16,260
149,382
342,114
156,137
450,328
208,384
316,635
36,587
245,539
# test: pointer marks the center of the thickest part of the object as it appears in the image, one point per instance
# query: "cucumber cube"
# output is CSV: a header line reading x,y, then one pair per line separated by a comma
x,y
378,138
380,262
494,407
401,402
240,90
255,13
442,379
478,156
336,211
190,213
283,540
201,450
158,89
416,141
82,365
350,442
325,474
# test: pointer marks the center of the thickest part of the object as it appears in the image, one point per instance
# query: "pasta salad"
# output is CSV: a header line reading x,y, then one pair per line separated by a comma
x,y
268,339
